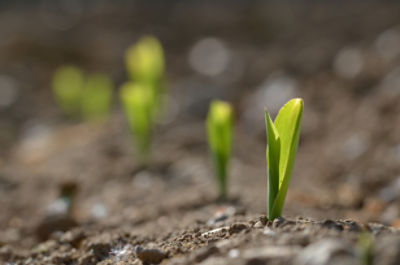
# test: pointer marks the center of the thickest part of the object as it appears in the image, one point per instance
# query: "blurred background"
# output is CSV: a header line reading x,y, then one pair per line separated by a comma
x,y
342,58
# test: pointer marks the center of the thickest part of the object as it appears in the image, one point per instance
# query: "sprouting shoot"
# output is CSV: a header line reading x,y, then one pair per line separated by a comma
x,y
96,97
139,108
145,65
84,96
67,88
220,135
282,141
142,96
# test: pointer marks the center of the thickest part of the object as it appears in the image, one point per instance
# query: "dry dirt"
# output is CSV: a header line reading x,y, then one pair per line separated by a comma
x,y
345,180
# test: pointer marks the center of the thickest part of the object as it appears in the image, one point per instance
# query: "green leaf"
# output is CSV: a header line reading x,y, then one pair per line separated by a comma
x,y
273,156
96,96
220,136
288,124
365,248
145,64
139,109
145,60
67,88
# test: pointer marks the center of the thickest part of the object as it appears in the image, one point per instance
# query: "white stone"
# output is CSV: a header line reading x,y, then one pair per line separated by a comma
x,y
322,251
8,91
209,57
270,252
388,44
348,62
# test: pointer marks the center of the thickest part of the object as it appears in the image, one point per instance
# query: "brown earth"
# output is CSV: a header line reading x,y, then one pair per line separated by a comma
x,y
345,180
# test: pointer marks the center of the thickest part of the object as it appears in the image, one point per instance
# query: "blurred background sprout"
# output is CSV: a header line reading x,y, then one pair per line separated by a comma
x,y
220,136
365,246
96,97
79,96
139,109
146,65
67,87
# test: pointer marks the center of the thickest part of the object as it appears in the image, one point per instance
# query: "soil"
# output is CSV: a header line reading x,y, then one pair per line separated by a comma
x,y
345,181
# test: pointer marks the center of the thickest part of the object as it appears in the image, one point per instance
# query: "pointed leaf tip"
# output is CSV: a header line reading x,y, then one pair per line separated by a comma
x,y
299,101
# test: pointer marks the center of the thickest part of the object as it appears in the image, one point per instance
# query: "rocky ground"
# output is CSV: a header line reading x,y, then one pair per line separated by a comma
x,y
343,202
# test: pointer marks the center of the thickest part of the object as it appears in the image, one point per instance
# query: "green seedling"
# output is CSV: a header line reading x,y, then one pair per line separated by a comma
x,y
67,88
365,246
220,136
96,97
140,111
80,96
146,65
282,141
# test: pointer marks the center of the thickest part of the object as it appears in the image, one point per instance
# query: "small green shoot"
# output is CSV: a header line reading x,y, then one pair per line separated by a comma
x,y
142,97
282,141
96,97
67,88
146,65
80,96
140,111
220,135
365,246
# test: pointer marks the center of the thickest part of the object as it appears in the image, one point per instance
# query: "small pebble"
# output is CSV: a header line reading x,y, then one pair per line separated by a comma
x,y
74,237
278,222
332,225
268,231
221,215
270,252
99,211
234,253
205,253
325,251
149,256
352,226
214,231
263,220
259,224
237,227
